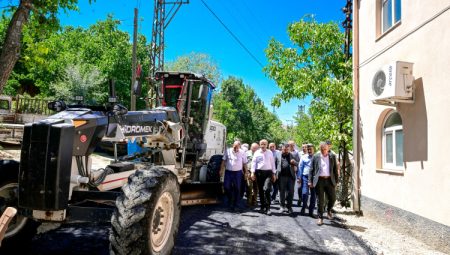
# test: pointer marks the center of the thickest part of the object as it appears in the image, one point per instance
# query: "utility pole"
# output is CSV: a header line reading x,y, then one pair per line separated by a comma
x,y
346,170
161,20
300,110
133,62
347,24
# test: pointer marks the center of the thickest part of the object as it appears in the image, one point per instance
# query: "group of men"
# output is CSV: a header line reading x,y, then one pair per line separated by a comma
x,y
265,170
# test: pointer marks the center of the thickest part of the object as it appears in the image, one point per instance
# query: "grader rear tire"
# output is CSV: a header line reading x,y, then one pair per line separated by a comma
x,y
21,229
147,214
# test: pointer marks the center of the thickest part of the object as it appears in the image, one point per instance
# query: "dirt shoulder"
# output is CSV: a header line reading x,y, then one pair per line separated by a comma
x,y
381,238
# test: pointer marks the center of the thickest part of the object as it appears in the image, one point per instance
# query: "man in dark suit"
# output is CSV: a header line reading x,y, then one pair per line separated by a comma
x,y
323,176
286,179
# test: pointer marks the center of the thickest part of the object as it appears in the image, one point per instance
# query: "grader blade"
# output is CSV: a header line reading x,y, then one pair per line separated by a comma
x,y
200,194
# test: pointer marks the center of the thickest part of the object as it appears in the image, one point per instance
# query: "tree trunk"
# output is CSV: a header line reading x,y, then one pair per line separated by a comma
x,y
11,46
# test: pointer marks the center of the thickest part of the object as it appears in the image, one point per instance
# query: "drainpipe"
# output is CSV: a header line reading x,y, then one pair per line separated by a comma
x,y
356,118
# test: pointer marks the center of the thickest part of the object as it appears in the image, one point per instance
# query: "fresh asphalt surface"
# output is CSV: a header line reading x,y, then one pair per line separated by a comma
x,y
214,229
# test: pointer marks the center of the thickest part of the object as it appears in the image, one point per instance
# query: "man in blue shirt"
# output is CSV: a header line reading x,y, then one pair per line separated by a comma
x,y
302,177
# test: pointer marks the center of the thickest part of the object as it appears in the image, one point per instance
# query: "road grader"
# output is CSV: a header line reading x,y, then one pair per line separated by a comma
x,y
140,195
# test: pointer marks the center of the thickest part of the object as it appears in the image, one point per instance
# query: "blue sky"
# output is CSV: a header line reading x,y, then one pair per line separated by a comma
x,y
195,29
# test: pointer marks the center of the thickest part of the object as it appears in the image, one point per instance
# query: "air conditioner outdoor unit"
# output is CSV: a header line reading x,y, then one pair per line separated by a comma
x,y
393,83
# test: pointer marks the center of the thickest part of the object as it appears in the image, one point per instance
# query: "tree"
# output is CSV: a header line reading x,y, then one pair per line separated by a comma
x,y
45,12
46,58
317,66
304,130
80,80
200,63
243,113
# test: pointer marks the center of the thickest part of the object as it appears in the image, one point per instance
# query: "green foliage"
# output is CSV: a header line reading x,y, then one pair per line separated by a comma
x,y
80,80
315,67
47,58
200,63
304,130
243,113
4,21
41,17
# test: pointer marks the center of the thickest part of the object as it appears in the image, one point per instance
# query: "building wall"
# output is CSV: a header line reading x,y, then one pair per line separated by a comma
x,y
423,38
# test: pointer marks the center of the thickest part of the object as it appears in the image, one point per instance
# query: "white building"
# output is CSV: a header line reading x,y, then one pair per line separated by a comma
x,y
402,61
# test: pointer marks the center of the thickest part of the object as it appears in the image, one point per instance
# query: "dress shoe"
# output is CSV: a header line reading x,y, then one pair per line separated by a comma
x,y
329,216
312,215
320,222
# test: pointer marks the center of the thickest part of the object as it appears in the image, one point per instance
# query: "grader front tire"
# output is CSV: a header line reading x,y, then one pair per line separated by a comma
x,y
147,214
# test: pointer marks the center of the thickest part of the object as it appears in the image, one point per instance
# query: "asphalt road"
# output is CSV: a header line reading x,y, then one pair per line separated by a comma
x,y
216,230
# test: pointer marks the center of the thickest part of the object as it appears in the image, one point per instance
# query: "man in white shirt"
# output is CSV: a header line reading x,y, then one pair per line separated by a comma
x,y
323,176
263,169
234,162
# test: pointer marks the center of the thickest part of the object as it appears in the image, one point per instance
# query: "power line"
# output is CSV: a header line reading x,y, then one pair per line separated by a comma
x,y
257,20
243,24
232,34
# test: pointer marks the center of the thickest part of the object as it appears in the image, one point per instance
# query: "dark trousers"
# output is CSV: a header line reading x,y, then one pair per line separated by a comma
x,y
263,177
305,194
243,186
232,185
287,184
325,186
276,187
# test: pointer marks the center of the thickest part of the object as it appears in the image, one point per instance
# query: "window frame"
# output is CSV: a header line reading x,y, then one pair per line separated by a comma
x,y
391,130
393,15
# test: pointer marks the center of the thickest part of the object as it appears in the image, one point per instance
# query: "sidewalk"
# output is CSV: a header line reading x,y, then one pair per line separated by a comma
x,y
381,238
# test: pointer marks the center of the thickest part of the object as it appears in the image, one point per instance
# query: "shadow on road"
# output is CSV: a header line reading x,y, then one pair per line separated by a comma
x,y
200,233
69,239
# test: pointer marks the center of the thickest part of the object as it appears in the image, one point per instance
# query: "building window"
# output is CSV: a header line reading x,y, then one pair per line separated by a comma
x,y
393,142
391,13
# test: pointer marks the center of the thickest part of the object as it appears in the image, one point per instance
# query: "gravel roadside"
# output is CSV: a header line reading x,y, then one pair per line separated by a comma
x,y
380,238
